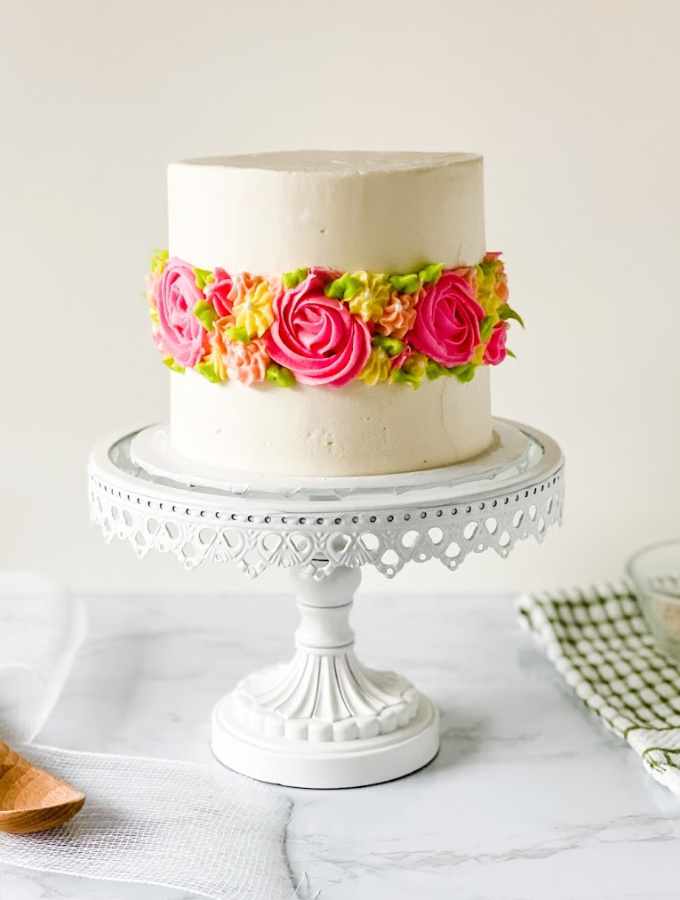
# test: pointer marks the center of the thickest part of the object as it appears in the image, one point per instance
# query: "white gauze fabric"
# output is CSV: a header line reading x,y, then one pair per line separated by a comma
x,y
175,824
41,629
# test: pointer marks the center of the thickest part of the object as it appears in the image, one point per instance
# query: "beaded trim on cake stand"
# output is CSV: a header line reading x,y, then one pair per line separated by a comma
x,y
324,720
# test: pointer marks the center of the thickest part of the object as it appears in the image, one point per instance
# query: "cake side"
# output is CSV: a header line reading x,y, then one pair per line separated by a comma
x,y
273,213
355,430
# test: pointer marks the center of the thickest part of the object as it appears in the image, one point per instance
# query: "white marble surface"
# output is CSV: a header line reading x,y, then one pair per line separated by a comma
x,y
529,797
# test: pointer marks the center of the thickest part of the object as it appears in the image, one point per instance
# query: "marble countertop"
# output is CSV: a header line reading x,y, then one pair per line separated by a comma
x,y
530,798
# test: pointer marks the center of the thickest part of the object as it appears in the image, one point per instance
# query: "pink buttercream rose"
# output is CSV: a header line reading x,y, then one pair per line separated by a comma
x,y
447,321
317,337
179,331
326,275
495,351
217,292
398,361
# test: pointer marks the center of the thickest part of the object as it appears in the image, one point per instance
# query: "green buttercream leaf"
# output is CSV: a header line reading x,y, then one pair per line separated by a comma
x,y
344,288
171,364
202,276
433,370
207,370
391,346
238,334
401,377
405,284
510,353
489,268
431,274
486,328
206,315
158,260
464,373
507,312
293,279
279,375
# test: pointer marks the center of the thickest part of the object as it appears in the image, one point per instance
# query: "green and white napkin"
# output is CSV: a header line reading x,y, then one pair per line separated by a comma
x,y
601,645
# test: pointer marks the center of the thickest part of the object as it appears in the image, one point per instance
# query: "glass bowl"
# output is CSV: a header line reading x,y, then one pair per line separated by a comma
x,y
655,574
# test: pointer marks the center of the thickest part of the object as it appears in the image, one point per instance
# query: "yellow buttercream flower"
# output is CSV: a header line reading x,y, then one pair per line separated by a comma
x,y
254,311
478,358
369,303
486,297
415,363
492,285
377,368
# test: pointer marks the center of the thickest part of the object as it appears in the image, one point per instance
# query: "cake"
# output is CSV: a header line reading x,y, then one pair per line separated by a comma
x,y
329,314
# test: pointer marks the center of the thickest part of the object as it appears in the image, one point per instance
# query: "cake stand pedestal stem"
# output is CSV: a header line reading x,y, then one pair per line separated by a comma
x,y
324,609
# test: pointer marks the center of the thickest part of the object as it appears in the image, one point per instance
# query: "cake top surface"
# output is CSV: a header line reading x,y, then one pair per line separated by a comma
x,y
331,162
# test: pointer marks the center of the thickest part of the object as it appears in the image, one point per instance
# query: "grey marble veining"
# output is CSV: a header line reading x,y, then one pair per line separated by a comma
x,y
529,798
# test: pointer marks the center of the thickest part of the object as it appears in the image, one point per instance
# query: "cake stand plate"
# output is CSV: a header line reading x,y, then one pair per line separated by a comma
x,y
324,720
151,450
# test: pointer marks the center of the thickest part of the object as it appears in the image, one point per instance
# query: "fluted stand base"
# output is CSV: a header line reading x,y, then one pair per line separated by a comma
x,y
324,720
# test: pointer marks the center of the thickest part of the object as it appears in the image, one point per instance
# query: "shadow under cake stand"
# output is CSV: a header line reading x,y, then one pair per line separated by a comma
x,y
324,720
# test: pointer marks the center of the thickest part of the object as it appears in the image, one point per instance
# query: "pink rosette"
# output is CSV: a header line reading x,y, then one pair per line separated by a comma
x,y
447,321
317,337
396,362
217,292
180,332
325,275
495,351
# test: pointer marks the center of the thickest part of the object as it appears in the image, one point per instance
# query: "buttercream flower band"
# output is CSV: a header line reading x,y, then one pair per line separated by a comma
x,y
321,327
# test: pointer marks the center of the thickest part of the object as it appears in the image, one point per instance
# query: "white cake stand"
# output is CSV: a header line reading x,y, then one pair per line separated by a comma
x,y
324,720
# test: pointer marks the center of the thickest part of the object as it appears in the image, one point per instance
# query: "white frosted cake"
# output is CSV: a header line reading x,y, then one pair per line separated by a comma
x,y
329,313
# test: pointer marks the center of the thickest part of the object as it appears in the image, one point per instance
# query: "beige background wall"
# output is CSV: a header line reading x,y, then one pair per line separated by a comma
x,y
574,105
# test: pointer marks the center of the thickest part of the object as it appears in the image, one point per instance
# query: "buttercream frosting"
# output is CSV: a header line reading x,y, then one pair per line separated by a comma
x,y
353,211
306,430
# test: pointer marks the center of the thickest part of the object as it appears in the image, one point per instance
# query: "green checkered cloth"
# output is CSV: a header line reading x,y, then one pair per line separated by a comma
x,y
604,650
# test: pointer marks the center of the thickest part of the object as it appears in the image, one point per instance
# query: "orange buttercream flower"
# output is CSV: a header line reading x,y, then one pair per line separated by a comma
x,y
399,314
242,284
244,361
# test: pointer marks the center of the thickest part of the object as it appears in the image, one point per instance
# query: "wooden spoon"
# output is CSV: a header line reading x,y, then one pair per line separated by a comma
x,y
31,799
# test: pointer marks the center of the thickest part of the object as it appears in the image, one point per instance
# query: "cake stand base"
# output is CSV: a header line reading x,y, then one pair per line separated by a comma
x,y
324,720
341,764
